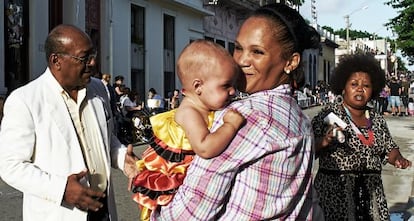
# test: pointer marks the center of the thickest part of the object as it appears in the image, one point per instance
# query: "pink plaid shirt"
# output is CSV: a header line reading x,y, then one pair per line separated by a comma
x,y
265,173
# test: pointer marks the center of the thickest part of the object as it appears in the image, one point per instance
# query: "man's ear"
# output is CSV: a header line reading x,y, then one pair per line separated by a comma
x,y
54,60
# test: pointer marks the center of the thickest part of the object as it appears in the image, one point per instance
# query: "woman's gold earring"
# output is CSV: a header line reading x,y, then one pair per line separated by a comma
x,y
287,71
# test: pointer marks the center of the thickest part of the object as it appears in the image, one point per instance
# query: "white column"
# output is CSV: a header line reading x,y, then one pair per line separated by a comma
x,y
3,89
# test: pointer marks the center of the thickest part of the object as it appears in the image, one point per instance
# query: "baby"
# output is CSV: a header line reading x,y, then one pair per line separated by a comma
x,y
208,74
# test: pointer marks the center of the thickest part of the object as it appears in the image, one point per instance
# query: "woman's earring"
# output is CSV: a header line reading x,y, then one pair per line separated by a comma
x,y
339,99
287,71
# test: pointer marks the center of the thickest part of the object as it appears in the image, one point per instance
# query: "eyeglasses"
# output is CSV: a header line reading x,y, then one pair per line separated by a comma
x,y
87,59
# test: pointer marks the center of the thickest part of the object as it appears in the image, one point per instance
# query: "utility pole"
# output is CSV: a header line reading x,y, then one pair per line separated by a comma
x,y
347,32
348,25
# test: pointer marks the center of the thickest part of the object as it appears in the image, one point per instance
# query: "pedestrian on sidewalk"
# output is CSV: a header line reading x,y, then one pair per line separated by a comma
x,y
395,93
349,176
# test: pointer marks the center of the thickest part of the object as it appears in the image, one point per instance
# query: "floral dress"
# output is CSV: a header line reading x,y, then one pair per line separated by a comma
x,y
349,175
164,163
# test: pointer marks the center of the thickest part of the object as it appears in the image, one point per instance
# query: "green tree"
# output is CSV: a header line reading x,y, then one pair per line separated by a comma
x,y
403,26
353,34
297,3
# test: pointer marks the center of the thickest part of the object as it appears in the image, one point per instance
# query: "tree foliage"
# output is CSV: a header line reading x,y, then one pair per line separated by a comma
x,y
297,2
403,26
353,34
293,2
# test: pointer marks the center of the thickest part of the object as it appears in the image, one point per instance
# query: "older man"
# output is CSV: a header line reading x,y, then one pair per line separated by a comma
x,y
56,140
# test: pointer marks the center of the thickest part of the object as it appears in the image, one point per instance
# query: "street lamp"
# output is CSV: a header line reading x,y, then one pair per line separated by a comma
x,y
348,25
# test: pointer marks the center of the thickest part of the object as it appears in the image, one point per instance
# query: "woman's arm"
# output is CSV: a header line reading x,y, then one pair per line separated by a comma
x,y
321,142
133,108
395,158
118,90
324,133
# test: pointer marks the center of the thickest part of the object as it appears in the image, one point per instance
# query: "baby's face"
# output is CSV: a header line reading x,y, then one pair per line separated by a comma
x,y
219,87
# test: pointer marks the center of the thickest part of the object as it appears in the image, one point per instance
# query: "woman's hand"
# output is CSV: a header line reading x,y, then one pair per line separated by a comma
x,y
395,158
402,163
325,141
330,135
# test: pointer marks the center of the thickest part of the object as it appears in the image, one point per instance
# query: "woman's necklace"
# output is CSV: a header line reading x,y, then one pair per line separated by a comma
x,y
364,140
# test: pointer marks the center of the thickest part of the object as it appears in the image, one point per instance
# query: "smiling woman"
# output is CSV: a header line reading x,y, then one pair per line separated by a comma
x,y
275,144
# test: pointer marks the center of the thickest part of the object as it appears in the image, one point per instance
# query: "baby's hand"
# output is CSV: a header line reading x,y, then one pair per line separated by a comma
x,y
234,118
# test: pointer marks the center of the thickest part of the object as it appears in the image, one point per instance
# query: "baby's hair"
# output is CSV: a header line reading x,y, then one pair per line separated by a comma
x,y
198,55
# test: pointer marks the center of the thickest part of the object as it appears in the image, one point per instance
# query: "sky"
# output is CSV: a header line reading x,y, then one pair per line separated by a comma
x,y
364,15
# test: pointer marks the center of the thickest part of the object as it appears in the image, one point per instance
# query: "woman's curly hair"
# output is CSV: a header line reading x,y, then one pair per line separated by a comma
x,y
349,64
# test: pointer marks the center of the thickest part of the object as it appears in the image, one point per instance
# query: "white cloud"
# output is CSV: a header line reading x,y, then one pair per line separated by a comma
x,y
330,6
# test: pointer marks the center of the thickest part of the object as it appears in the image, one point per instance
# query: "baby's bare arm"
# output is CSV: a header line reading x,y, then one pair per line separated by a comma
x,y
234,118
205,144
216,142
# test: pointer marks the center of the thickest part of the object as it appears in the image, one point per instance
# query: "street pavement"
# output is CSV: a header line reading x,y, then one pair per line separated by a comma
x,y
397,183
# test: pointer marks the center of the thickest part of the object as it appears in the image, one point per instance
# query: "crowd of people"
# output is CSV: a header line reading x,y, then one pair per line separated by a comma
x,y
210,156
394,98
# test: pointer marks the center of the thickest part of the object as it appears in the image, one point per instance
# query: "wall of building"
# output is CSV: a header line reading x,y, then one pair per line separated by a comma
x,y
115,35
224,25
192,21
73,13
326,63
3,89
38,28
116,40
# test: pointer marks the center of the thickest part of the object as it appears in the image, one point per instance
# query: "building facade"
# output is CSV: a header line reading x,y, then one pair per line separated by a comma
x,y
138,39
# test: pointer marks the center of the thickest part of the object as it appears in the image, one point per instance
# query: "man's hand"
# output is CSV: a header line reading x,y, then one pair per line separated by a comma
x,y
83,198
130,168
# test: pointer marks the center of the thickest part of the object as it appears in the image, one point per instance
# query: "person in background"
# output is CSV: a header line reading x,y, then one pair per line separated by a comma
x,y
155,102
175,99
119,87
132,104
308,92
405,86
125,92
349,175
106,80
56,141
208,75
265,173
383,100
395,91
